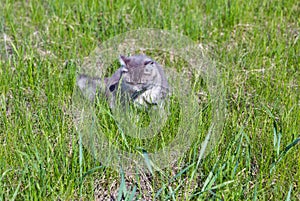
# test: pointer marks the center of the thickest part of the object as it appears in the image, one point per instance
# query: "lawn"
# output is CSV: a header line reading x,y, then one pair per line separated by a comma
x,y
254,46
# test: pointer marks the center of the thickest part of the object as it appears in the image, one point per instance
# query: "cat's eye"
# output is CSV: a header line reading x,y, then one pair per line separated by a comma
x,y
148,62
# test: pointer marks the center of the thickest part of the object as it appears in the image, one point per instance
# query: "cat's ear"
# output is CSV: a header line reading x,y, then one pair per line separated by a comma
x,y
123,60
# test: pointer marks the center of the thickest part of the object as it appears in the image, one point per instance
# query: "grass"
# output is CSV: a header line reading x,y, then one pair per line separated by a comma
x,y
255,45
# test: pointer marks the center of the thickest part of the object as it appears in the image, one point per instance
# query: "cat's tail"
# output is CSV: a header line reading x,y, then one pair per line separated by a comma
x,y
91,86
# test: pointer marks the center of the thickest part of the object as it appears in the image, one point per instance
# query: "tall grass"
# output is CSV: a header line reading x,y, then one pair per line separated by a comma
x,y
255,45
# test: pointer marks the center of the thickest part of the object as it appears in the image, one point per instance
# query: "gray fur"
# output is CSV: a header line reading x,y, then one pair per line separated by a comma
x,y
139,78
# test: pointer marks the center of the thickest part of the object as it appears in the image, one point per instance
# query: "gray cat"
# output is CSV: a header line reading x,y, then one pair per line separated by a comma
x,y
139,80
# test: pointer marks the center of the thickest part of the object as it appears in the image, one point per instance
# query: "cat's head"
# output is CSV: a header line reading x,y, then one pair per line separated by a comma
x,y
139,72
142,79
